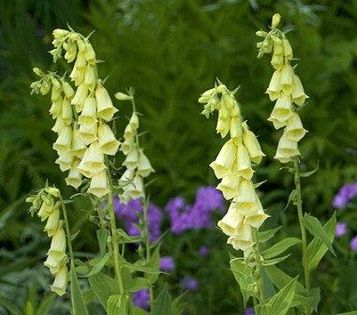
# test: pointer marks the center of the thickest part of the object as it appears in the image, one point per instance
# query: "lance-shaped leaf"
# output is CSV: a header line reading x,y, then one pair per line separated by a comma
x,y
163,303
314,226
282,301
265,236
280,247
274,261
78,305
116,305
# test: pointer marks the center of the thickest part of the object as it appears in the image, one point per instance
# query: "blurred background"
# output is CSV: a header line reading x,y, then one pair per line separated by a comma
x,y
171,51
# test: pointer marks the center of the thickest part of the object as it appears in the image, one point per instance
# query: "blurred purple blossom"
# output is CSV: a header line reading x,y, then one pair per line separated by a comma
x,y
130,213
341,229
203,251
184,217
189,283
249,311
353,243
141,298
167,263
344,195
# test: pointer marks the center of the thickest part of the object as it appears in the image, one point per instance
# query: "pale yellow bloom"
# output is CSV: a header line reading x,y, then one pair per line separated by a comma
x,y
127,145
256,219
274,86
286,78
240,244
71,52
294,128
64,140
247,199
223,163
231,221
58,242
66,113
287,149
88,116
132,159
55,260
282,110
90,78
288,51
52,222
99,185
74,177
229,186
67,89
60,283
298,94
107,141
144,165
65,160
243,162
105,108
135,189
78,146
127,177
93,161
45,210
80,97
59,124
88,134
252,145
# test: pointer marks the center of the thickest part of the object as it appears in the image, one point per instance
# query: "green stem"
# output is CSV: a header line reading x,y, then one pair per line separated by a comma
x,y
259,265
298,203
115,244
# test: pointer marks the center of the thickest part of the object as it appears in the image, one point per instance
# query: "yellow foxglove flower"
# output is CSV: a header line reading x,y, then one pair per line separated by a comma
x,y
287,149
78,146
58,242
67,113
144,165
230,223
59,124
59,33
282,110
89,52
286,79
122,96
107,141
275,20
127,177
74,177
298,94
277,124
247,198
288,51
93,161
105,108
88,116
127,145
56,92
135,189
223,163
132,159
274,86
67,89
229,186
52,222
134,121
294,128
256,219
243,162
45,210
90,78
236,127
64,140
251,143
65,160
60,283
80,97
71,52
129,132
78,73
240,244
99,185
88,134
54,261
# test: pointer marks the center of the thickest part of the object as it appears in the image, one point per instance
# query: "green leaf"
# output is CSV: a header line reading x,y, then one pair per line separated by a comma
x,y
265,236
243,274
99,265
78,306
309,173
280,247
317,249
281,301
137,284
348,313
45,305
125,238
314,226
163,303
102,236
103,287
10,306
274,261
116,305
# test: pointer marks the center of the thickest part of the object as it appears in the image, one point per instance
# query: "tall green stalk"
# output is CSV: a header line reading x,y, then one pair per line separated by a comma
x,y
298,203
68,233
259,275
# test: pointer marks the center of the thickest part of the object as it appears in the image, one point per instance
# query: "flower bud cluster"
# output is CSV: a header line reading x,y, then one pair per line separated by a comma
x,y
233,165
46,204
82,114
285,89
137,165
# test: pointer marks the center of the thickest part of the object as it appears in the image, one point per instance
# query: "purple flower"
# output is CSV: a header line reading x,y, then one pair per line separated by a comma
x,y
344,195
249,311
203,250
130,213
185,217
141,298
189,283
353,243
167,263
341,229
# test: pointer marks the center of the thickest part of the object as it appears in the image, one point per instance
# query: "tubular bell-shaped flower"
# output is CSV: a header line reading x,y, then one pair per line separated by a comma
x,y
233,165
46,205
285,87
82,113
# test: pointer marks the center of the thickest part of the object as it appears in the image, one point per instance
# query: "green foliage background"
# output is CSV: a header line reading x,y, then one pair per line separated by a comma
x,y
171,51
